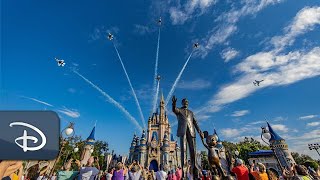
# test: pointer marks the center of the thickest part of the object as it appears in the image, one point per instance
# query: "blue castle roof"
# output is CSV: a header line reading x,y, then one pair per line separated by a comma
x,y
261,153
274,135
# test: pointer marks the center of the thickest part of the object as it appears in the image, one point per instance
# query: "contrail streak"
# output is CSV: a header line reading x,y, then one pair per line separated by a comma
x,y
177,80
155,85
156,98
111,100
132,90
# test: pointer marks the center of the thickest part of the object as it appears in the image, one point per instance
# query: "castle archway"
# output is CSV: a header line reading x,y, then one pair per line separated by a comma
x,y
153,166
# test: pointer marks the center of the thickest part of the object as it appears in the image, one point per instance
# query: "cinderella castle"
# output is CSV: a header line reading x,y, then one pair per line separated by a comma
x,y
157,145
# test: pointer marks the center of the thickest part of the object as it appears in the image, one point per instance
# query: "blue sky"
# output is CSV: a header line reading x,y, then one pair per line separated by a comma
x,y
240,41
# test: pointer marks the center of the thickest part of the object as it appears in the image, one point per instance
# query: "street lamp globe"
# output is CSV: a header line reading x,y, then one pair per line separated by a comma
x,y
91,150
76,149
265,133
69,131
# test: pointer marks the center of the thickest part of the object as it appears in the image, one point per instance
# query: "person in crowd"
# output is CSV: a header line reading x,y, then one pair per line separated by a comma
x,y
189,173
143,174
8,169
260,173
271,175
161,175
301,173
89,172
109,174
205,175
135,171
119,172
173,175
179,173
238,167
66,173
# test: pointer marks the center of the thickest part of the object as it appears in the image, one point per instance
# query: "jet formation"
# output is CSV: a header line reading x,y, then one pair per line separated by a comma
x,y
257,83
196,45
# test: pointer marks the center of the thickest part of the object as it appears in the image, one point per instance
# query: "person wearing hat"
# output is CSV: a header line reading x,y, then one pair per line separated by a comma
x,y
239,169
259,174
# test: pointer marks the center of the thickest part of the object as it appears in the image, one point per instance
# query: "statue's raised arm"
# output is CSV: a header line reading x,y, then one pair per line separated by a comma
x,y
174,105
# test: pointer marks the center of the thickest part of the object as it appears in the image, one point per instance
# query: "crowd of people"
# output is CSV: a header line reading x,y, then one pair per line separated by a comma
x,y
13,170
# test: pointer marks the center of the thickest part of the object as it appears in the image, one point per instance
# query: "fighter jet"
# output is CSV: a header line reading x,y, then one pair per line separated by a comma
x,y
196,45
158,78
159,21
110,36
60,62
257,83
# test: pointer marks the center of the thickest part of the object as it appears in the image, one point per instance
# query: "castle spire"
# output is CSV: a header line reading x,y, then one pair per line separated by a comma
x,y
162,98
91,139
274,135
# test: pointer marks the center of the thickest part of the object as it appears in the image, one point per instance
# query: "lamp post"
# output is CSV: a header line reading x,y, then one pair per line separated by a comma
x,y
69,131
267,135
315,146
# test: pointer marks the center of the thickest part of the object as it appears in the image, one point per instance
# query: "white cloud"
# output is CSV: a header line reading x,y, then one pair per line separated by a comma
x,y
194,85
37,100
228,132
313,124
228,54
141,29
70,112
279,127
177,16
305,20
307,117
240,113
280,118
181,13
228,22
276,68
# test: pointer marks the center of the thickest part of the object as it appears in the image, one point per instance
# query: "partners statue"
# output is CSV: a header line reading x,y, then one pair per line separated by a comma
x,y
187,124
210,143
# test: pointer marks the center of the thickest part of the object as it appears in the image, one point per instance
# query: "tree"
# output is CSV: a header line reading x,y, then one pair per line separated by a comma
x,y
204,160
244,147
68,151
305,160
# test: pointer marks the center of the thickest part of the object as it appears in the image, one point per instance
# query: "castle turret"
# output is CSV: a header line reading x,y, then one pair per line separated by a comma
x,y
132,148
86,153
165,149
143,149
280,148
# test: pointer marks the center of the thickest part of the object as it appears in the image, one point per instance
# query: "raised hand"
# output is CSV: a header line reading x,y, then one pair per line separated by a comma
x,y
174,99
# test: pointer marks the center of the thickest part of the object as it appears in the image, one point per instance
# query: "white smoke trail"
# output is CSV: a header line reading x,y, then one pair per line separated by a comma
x,y
177,80
156,98
132,90
111,100
155,86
